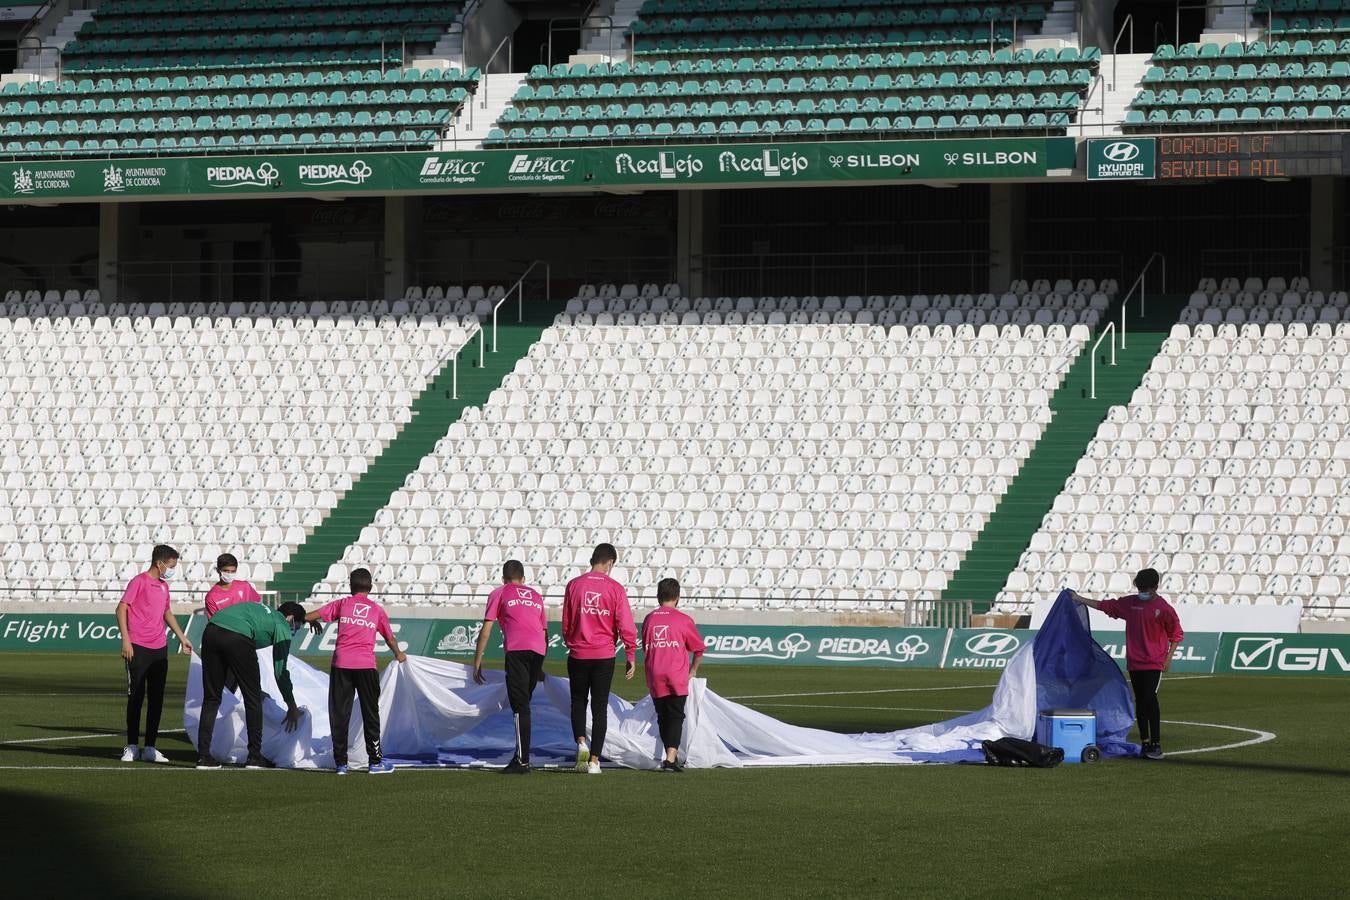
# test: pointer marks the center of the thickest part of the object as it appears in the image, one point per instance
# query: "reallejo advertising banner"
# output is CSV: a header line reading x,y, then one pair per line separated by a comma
x,y
534,169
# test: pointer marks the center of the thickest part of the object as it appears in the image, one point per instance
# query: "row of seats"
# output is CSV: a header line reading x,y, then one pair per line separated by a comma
x,y
1007,123
1278,304
866,65
1258,85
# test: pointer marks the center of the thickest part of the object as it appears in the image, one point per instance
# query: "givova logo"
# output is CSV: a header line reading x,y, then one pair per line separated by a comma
x,y
1266,654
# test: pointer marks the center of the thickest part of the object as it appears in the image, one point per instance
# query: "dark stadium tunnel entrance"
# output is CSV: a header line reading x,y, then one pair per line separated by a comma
x,y
1155,22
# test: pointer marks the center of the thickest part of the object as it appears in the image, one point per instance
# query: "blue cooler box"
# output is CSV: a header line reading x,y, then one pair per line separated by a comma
x,y
1072,730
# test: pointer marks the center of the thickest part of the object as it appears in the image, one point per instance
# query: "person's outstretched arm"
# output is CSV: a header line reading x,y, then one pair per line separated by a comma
x,y
483,637
1079,598
627,634
390,639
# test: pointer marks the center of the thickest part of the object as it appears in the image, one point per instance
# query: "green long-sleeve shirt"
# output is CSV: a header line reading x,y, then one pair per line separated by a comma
x,y
266,628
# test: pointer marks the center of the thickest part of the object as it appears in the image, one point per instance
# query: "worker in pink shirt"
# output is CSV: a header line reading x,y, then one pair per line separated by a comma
x,y
1152,635
595,614
228,590
353,673
668,638
520,610
142,614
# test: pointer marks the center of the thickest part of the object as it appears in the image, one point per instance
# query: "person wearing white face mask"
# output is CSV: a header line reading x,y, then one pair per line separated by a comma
x,y
142,614
228,590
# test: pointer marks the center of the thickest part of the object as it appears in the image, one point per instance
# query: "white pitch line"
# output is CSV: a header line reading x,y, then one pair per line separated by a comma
x,y
958,687
846,708
83,737
1261,737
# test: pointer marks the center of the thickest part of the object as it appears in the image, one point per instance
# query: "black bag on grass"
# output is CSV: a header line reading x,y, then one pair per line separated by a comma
x,y
1015,752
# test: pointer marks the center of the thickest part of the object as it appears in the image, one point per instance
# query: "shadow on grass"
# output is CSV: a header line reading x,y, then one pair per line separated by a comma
x,y
1285,768
62,847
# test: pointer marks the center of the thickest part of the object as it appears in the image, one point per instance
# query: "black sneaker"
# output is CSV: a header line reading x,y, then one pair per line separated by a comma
x,y
516,767
1153,751
668,766
259,762
208,762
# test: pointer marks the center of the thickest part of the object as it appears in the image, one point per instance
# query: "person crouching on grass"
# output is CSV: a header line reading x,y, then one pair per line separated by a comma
x,y
668,637
353,672
1152,635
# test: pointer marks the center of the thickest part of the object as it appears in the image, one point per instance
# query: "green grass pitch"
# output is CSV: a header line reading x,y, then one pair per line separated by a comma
x,y
1267,819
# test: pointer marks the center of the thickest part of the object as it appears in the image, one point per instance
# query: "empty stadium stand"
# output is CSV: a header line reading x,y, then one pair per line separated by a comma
x,y
127,425
817,466
1227,470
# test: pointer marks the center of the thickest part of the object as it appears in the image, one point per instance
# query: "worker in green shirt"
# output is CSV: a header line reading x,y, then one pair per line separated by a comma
x,y
230,644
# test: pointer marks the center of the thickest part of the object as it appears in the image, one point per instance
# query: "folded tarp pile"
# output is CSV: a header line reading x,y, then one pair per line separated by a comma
x,y
433,714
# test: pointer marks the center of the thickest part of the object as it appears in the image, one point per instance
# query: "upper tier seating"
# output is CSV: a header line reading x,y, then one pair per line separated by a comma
x,y
820,466
1281,84
338,109
1309,18
1251,300
702,25
127,425
805,95
187,34
1227,472
153,77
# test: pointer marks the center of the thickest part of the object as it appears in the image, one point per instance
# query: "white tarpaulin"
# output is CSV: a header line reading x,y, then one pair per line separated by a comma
x,y
434,714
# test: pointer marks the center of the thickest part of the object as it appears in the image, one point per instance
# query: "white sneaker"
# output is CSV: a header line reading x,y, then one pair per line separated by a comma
x,y
150,754
129,753
583,757
593,767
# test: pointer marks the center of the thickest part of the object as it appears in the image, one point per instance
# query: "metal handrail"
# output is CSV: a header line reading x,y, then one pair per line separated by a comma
x,y
993,20
454,369
580,27
1098,80
403,52
41,47
1111,330
34,21
462,22
519,289
1139,283
509,42
1115,45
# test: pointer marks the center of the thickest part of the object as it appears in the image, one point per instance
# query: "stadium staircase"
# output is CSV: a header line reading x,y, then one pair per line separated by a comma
x,y
997,549
433,412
